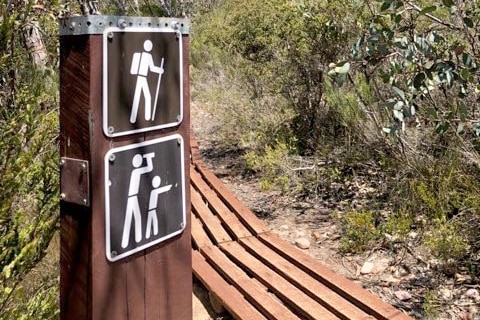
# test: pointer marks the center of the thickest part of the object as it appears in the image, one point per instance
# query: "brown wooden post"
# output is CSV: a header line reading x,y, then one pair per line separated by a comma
x,y
155,282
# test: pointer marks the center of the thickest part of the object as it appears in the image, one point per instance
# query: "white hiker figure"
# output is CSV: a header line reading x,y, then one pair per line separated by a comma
x,y
133,207
142,63
152,219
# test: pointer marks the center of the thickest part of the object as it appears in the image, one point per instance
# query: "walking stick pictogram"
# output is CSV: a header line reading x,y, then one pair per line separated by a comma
x,y
158,88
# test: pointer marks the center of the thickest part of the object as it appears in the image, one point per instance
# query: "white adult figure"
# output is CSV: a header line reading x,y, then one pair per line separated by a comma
x,y
152,219
142,63
133,207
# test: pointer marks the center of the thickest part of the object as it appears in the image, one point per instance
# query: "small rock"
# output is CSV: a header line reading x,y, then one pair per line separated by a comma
x,y
401,272
367,267
381,265
316,235
473,293
284,227
413,235
302,243
474,311
446,294
402,295
389,280
216,304
323,211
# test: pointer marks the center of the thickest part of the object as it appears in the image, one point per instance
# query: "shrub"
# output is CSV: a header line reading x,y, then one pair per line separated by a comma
x,y
447,243
275,166
398,225
359,230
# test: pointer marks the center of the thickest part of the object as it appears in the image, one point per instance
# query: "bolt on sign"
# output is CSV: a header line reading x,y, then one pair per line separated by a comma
x,y
144,195
142,79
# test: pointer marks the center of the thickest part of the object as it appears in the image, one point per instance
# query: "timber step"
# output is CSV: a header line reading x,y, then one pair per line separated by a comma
x,y
257,275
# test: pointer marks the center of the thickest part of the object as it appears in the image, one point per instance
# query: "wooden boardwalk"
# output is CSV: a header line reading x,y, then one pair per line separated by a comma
x,y
257,275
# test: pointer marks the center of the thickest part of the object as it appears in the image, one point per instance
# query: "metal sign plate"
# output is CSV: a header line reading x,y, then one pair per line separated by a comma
x,y
144,195
142,79
74,181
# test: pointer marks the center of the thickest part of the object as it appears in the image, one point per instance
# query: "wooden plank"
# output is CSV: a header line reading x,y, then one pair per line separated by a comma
x,y
363,299
294,297
253,291
224,213
232,300
329,299
242,212
194,150
209,220
199,235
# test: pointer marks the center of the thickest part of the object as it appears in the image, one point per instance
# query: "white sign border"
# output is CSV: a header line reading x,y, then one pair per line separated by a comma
x,y
108,251
105,79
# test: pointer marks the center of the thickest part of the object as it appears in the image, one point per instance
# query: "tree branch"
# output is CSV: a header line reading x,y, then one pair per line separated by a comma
x,y
432,17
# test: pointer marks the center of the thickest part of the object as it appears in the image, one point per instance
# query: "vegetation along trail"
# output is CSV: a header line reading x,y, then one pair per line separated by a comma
x,y
352,129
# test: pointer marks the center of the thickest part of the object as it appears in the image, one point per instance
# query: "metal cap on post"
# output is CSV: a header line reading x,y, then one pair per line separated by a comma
x,y
124,141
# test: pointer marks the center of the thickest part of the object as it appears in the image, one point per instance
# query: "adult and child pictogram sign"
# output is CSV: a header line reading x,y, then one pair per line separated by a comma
x,y
144,195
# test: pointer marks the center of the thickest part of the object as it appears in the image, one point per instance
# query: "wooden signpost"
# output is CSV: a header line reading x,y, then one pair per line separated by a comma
x,y
124,144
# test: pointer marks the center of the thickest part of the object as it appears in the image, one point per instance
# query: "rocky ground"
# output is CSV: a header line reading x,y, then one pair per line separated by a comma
x,y
401,274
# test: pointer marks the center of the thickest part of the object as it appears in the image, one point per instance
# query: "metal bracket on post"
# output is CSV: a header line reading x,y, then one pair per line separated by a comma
x,y
74,181
96,24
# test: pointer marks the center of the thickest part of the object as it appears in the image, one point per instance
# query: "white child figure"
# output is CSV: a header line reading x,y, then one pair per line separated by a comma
x,y
152,219
133,207
142,63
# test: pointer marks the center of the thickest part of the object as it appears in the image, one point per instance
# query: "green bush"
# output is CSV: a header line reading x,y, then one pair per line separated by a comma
x,y
282,84
431,305
398,225
359,230
29,186
447,243
275,165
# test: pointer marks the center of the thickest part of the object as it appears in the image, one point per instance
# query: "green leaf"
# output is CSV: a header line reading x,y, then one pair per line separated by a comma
x,y
462,110
447,3
468,60
387,4
432,113
441,128
399,115
399,92
468,22
465,74
399,105
450,77
397,18
428,10
342,68
460,128
418,80
332,73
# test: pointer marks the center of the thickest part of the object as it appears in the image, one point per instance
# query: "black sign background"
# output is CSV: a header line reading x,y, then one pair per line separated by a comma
x,y
121,84
167,164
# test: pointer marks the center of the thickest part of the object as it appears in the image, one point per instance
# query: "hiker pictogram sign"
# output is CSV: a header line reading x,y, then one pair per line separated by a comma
x,y
144,195
142,80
